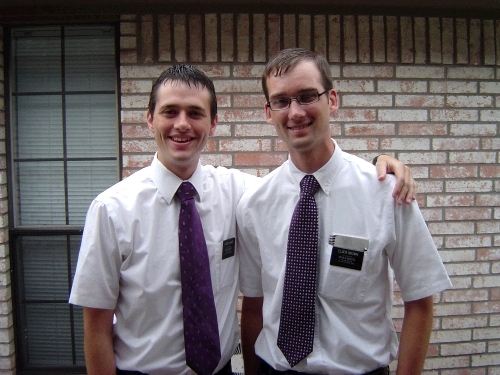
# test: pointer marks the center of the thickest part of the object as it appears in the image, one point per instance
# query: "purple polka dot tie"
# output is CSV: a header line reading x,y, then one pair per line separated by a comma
x,y
201,332
296,331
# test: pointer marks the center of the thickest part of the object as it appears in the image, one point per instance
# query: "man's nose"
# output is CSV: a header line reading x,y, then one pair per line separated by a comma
x,y
295,109
182,122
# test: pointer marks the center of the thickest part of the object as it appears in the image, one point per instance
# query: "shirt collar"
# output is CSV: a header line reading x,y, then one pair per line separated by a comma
x,y
167,182
325,175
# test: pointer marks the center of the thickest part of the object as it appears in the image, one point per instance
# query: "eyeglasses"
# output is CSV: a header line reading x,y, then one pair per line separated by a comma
x,y
303,99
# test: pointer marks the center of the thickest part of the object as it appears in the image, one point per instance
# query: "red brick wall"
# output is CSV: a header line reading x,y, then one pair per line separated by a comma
x,y
424,89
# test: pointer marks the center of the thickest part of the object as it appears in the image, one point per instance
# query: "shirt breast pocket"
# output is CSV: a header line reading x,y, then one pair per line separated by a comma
x,y
223,264
345,284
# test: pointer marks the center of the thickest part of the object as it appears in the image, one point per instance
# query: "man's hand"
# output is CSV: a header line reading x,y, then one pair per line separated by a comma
x,y
405,189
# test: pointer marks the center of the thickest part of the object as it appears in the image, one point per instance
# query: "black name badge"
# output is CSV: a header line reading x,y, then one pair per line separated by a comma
x,y
346,258
228,247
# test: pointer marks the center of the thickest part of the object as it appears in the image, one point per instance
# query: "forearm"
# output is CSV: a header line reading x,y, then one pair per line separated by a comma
x,y
251,325
98,342
415,334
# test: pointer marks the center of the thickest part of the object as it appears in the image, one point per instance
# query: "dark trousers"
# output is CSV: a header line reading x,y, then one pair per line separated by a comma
x,y
226,370
266,369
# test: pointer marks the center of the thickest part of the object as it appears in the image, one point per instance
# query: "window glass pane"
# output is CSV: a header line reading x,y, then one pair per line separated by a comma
x,y
38,127
74,246
75,242
86,179
50,327
48,332
90,59
45,262
78,319
38,60
41,193
91,126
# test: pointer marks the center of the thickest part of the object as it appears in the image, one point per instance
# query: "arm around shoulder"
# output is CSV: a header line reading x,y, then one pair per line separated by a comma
x,y
98,341
405,189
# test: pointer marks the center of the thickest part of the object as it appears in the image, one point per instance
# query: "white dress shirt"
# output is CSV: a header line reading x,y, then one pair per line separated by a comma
x,y
129,262
354,332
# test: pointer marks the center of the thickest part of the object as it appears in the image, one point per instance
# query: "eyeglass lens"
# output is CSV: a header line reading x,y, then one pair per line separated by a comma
x,y
302,99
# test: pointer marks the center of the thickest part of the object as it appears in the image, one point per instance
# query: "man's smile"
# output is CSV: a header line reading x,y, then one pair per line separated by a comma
x,y
299,127
181,139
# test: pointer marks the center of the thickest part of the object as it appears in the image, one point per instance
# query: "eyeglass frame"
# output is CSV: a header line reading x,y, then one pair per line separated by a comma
x,y
296,99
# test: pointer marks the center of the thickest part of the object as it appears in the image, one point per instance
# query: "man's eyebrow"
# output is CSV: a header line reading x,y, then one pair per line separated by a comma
x,y
278,95
302,91
173,105
165,106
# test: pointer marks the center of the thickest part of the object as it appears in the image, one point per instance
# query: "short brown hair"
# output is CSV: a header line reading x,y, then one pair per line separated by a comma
x,y
188,75
286,59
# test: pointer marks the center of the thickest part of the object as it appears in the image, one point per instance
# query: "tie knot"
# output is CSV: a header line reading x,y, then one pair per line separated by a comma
x,y
309,185
186,191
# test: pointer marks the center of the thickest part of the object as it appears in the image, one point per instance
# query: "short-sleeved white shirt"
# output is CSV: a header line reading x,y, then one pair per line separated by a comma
x,y
354,333
129,262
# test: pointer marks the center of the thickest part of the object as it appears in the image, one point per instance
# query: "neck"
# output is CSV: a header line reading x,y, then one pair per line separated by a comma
x,y
309,161
184,172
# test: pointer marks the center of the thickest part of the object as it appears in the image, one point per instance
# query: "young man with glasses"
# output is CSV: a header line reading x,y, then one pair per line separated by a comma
x,y
319,239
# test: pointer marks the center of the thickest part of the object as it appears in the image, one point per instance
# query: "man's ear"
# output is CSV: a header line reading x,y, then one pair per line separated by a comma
x,y
213,125
267,110
149,118
334,101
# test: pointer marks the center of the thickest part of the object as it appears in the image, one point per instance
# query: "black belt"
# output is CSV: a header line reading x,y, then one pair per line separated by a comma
x,y
266,369
226,370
